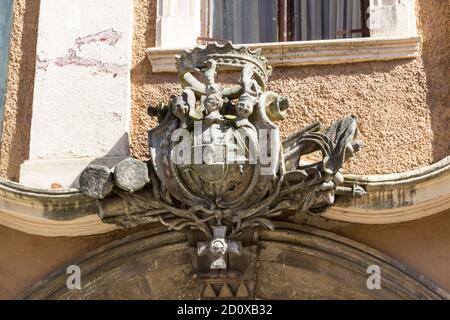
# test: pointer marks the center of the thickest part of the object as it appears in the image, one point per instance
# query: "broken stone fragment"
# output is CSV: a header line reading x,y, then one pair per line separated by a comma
x,y
96,181
131,175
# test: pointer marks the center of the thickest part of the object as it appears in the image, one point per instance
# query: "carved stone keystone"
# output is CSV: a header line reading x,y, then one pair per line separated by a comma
x,y
218,247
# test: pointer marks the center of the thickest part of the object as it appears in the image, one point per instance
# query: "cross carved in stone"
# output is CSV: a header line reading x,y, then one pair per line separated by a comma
x,y
218,247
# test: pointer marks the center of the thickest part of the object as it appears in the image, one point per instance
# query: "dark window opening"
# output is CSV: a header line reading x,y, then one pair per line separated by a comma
x,y
258,21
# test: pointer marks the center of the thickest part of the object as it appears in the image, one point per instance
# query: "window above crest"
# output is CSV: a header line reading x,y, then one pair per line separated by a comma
x,y
293,32
257,21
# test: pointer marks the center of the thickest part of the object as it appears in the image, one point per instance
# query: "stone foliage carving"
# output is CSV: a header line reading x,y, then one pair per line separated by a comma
x,y
218,164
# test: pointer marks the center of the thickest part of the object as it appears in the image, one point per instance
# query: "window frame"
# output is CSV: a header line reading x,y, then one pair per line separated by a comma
x,y
286,23
394,41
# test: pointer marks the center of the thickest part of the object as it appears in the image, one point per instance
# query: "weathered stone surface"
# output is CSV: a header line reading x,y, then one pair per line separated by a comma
x,y
230,182
293,262
96,181
131,175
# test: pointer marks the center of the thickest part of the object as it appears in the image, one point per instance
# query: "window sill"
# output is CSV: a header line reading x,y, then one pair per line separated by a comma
x,y
300,53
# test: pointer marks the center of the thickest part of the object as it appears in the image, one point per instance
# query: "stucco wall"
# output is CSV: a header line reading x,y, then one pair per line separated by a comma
x,y
434,23
402,106
14,148
81,102
5,32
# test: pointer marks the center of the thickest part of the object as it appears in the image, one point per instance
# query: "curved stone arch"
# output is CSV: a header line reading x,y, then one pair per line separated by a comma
x,y
293,262
335,264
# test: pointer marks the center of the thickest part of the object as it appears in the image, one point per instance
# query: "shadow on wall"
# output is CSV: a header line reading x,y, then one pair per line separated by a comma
x,y
110,159
434,19
19,95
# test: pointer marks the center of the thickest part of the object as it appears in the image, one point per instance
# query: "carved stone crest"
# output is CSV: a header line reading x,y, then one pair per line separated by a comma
x,y
218,164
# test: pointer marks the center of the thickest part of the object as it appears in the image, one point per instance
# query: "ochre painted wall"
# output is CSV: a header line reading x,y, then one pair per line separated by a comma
x,y
15,142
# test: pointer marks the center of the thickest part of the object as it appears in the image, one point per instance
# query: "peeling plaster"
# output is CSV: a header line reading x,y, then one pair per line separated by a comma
x,y
82,88
110,37
102,67
41,64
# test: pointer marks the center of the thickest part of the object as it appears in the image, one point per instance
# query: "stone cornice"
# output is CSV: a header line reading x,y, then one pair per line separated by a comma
x,y
391,198
299,53
399,197
50,213
89,225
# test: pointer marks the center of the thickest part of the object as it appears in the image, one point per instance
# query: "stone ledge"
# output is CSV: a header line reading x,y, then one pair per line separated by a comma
x,y
391,198
41,173
86,226
299,53
49,213
398,197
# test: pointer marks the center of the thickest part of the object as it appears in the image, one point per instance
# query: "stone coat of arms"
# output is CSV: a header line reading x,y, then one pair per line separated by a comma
x,y
217,163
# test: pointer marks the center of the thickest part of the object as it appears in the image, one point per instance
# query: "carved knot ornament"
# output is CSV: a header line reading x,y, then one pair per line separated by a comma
x,y
217,162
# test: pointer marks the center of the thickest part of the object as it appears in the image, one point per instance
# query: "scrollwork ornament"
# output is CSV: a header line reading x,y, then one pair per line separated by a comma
x,y
218,164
